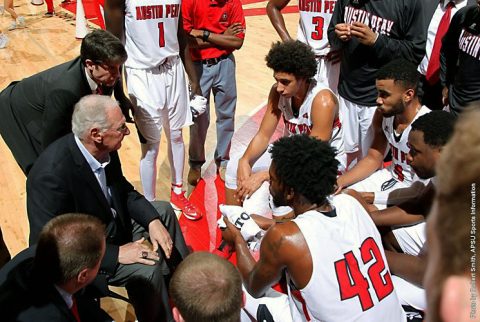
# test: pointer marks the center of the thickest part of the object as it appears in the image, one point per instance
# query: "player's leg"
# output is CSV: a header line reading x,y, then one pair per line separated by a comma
x,y
148,91
365,115
225,93
177,116
349,119
198,131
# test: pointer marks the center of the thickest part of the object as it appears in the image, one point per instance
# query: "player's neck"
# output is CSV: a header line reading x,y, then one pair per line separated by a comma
x,y
302,205
409,113
298,99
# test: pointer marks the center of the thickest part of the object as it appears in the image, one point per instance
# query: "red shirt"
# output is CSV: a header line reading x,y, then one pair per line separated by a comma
x,y
214,16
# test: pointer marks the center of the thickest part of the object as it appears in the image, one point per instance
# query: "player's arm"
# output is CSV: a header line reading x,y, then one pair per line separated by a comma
x,y
410,268
274,8
269,123
324,109
247,182
374,158
187,58
258,276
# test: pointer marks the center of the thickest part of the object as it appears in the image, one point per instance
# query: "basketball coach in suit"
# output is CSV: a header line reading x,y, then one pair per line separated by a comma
x,y
45,282
37,110
81,172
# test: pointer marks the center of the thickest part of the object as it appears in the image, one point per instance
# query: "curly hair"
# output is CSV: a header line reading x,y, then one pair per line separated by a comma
x,y
292,57
306,165
402,72
437,127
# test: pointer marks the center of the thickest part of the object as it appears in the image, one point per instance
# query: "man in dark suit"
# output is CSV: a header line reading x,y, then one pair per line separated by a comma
x,y
36,111
81,172
45,282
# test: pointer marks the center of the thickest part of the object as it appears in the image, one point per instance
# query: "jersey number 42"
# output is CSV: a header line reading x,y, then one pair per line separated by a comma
x,y
353,283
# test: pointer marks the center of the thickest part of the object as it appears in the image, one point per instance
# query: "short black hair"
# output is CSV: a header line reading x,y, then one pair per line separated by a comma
x,y
307,165
292,57
437,127
101,46
402,72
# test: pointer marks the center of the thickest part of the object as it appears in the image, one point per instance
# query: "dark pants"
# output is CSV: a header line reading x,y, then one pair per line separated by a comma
x,y
147,286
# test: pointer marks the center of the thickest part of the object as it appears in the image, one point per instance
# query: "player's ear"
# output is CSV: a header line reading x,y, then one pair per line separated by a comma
x,y
408,95
176,315
455,302
289,193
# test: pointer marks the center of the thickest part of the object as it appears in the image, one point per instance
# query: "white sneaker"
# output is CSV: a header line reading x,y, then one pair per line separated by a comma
x,y
3,41
12,26
21,22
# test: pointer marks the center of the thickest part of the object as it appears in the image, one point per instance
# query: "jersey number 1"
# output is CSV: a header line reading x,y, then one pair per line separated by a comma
x,y
351,281
161,35
318,22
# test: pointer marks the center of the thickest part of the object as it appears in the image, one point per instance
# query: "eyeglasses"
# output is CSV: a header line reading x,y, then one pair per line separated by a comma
x,y
123,129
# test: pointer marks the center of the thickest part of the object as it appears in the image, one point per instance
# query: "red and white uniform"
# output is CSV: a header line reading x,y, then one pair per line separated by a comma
x,y
312,30
151,32
302,123
350,278
399,174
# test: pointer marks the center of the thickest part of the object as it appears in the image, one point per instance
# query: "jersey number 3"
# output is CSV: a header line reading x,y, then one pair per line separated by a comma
x,y
161,35
351,281
318,22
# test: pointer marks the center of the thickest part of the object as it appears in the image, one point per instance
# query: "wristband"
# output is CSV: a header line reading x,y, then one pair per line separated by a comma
x,y
205,35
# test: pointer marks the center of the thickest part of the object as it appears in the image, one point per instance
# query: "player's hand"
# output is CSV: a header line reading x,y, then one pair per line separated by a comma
x,y
237,215
244,170
196,33
343,32
230,233
159,237
251,184
363,33
445,96
137,252
234,29
334,56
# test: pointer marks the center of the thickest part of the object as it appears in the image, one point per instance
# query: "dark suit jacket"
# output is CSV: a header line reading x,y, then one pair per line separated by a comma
x,y
38,110
430,6
26,297
61,181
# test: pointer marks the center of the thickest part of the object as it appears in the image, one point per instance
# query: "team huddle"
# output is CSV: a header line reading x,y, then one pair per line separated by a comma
x,y
328,223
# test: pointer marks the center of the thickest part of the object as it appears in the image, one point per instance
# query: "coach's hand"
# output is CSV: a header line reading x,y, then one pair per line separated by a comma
x,y
137,252
159,236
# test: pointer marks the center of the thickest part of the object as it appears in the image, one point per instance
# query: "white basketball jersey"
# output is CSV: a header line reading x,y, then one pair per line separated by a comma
x,y
302,123
314,20
151,32
350,278
398,144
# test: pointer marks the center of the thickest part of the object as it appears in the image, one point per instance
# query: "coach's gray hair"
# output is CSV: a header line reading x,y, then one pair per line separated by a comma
x,y
91,112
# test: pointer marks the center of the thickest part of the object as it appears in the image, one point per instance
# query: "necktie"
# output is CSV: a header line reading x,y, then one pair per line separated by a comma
x,y
433,69
74,309
99,90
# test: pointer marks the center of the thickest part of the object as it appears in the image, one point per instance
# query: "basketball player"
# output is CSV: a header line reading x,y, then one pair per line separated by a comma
x,y
312,30
329,242
156,44
306,108
370,34
398,107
